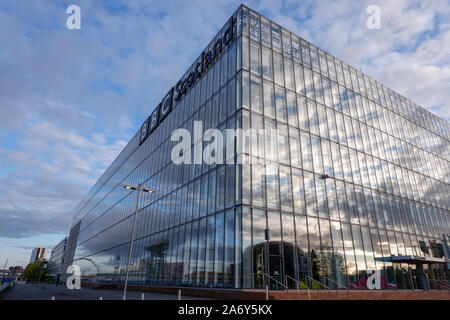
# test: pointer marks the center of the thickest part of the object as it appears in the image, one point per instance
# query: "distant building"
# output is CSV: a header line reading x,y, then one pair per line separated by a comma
x,y
57,262
38,254
16,271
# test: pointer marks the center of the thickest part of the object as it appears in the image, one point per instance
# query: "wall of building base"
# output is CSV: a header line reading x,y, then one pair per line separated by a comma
x,y
363,295
247,294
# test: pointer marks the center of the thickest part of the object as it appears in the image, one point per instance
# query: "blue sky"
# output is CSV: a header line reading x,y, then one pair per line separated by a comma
x,y
70,100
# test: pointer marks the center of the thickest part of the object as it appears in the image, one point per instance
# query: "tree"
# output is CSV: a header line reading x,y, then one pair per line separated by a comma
x,y
315,265
33,270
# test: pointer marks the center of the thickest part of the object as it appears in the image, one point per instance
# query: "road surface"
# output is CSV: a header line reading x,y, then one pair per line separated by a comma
x,y
23,291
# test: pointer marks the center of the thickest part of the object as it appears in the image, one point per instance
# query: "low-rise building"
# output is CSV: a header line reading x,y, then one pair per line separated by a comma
x,y
57,260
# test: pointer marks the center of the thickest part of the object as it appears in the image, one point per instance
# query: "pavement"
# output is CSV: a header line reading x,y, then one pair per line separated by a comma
x,y
24,291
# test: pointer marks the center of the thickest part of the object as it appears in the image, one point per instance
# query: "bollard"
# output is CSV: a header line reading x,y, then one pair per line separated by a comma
x,y
142,296
267,292
179,294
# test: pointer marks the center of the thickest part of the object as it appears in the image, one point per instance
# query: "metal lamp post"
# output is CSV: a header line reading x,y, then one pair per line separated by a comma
x,y
140,189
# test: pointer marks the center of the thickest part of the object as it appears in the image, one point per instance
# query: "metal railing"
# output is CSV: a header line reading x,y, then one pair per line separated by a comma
x,y
335,282
338,285
314,280
320,284
299,283
277,283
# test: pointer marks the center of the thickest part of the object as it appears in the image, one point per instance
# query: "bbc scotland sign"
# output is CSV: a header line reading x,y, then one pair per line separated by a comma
x,y
182,86
158,115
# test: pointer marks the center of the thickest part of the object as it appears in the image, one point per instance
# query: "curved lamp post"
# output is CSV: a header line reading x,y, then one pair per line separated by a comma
x,y
140,189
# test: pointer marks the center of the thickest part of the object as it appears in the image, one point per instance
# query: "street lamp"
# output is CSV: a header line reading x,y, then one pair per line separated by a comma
x,y
140,189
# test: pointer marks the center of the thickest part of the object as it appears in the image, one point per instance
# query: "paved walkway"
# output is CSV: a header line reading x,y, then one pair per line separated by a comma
x,y
23,291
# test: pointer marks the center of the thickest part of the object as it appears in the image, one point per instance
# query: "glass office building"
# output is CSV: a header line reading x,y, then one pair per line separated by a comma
x,y
356,183
56,264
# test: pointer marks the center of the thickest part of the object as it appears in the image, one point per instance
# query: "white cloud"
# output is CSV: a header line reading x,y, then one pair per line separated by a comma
x,y
410,53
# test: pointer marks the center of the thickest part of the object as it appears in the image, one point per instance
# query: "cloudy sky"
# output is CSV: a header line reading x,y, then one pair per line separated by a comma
x,y
71,99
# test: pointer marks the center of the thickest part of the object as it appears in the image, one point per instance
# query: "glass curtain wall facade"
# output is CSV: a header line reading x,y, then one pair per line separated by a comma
x,y
357,174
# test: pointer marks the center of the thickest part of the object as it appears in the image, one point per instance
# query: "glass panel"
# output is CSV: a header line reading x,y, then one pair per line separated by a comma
x,y
318,88
212,191
273,198
201,253
219,250
314,58
254,25
280,104
220,197
256,95
258,184
305,53
327,256
224,65
274,225
302,113
294,145
352,272
313,118
289,72
231,60
298,191
276,37
269,102
255,58
245,91
289,248
359,254
265,31
314,250
309,87
259,247
187,247
209,264
267,63
285,188
339,256
286,43
306,151
230,183
278,69
292,108
238,249
311,205
299,79
229,263
246,247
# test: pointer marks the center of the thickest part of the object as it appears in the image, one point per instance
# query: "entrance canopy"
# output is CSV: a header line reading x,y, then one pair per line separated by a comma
x,y
413,260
